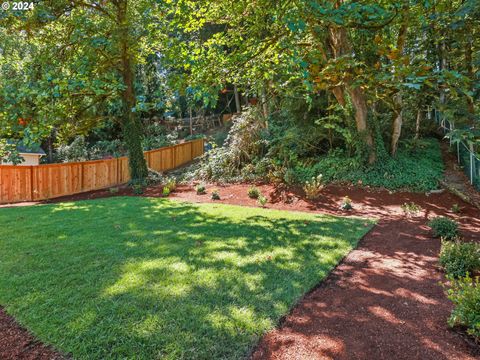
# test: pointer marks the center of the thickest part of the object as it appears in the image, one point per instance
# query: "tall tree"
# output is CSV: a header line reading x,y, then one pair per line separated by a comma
x,y
83,56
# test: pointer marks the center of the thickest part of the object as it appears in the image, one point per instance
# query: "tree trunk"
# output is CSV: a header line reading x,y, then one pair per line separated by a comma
x,y
359,103
470,72
397,124
339,93
340,46
132,130
191,120
397,98
237,99
417,124
265,109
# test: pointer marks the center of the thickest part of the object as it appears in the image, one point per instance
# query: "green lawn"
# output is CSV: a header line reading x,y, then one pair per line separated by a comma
x,y
132,277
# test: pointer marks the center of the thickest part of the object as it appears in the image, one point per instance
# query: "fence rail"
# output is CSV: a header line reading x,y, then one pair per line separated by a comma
x,y
465,155
41,182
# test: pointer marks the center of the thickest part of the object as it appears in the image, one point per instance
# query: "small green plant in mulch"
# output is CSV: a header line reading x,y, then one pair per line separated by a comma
x,y
444,228
346,204
456,208
114,190
459,258
262,200
411,209
314,187
465,295
171,183
166,191
215,195
138,189
201,189
253,192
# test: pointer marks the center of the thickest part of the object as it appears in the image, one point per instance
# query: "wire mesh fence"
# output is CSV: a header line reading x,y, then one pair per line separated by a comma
x,y
466,156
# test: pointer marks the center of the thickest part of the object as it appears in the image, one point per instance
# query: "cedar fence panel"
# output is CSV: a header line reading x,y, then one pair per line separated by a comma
x,y
32,183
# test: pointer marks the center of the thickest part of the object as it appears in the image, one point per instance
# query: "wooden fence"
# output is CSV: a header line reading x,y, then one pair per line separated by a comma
x,y
40,182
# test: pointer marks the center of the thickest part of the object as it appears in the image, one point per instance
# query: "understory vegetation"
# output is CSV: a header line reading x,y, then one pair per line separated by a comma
x,y
461,263
296,153
144,278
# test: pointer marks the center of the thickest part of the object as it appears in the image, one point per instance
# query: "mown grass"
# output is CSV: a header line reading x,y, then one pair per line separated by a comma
x,y
147,278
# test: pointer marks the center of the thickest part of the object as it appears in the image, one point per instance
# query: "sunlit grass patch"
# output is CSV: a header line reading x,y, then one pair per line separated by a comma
x,y
152,278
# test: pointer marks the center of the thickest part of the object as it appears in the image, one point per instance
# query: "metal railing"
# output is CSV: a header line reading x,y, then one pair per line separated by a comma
x,y
466,156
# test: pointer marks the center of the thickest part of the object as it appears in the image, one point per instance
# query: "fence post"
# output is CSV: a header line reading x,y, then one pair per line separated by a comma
x,y
472,161
32,192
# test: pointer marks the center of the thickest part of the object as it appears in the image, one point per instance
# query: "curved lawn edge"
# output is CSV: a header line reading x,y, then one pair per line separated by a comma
x,y
235,270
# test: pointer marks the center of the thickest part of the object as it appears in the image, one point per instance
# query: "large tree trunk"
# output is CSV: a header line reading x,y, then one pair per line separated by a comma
x,y
397,123
359,103
340,46
132,130
398,99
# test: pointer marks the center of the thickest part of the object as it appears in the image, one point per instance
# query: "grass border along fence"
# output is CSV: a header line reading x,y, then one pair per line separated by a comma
x,y
41,182
465,155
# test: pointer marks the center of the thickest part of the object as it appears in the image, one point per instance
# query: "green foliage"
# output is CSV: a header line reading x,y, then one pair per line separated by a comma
x,y
465,294
166,191
9,153
420,170
138,189
200,189
346,204
215,195
262,200
237,158
76,151
253,192
456,209
411,208
444,228
460,258
140,286
154,178
314,187
171,183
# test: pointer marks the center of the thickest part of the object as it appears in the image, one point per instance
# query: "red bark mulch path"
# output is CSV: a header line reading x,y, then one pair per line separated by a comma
x,y
383,301
17,343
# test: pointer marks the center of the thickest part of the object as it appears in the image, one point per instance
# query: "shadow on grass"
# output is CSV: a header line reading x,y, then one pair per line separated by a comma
x,y
150,278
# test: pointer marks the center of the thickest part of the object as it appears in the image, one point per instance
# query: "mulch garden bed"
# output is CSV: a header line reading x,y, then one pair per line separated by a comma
x,y
383,301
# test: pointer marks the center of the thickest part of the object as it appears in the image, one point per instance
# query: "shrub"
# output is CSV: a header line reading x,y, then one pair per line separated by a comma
x,y
76,151
346,204
138,189
171,183
444,228
154,177
200,189
411,208
215,195
456,208
314,187
465,294
459,258
253,192
243,146
166,191
418,170
262,200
